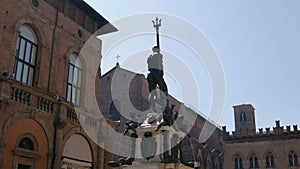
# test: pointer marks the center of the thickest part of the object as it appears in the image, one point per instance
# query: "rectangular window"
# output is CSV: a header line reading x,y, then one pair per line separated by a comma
x,y
21,166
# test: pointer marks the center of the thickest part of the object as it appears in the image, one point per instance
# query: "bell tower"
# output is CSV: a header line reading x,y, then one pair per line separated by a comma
x,y
244,119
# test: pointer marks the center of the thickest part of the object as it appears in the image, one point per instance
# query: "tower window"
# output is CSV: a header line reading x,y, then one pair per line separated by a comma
x,y
79,32
114,109
35,3
243,116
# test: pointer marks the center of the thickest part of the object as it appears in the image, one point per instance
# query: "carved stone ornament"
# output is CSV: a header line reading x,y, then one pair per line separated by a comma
x,y
3,104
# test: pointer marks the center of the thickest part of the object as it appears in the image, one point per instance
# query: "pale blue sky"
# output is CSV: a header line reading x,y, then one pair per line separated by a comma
x,y
258,43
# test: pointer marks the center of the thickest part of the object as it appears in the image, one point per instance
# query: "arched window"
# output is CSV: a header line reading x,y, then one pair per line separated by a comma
x,y
74,80
114,111
253,161
26,148
293,158
270,161
243,116
26,143
26,53
238,162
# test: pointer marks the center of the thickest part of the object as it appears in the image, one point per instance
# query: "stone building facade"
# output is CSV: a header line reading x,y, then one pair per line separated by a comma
x,y
40,82
270,148
123,92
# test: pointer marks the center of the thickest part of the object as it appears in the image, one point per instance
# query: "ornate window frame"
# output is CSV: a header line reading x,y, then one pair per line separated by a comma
x,y
238,161
253,160
293,158
269,159
25,156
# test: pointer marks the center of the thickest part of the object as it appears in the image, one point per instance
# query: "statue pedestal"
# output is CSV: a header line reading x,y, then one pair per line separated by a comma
x,y
155,146
153,165
162,140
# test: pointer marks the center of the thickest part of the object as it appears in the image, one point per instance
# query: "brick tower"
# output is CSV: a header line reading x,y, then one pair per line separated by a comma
x,y
244,119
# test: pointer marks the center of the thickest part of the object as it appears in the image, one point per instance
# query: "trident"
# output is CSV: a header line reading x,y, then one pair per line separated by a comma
x,y
156,25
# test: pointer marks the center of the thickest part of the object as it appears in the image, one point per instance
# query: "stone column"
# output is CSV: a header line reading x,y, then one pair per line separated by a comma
x,y
100,145
101,156
174,149
133,145
96,157
166,146
59,125
3,104
2,145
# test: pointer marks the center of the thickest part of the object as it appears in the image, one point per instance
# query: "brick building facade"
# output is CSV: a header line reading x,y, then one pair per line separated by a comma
x,y
40,71
40,87
270,148
123,92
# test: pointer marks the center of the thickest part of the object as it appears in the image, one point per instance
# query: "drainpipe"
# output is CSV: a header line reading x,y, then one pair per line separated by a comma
x,y
48,88
53,41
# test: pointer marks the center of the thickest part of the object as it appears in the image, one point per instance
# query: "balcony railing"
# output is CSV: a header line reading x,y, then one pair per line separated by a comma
x,y
20,96
45,105
33,97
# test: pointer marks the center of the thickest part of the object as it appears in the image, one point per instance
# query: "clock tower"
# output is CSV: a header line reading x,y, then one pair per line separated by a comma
x,y
244,119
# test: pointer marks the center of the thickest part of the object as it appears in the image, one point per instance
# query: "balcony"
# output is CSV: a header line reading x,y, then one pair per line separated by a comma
x,y
16,94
